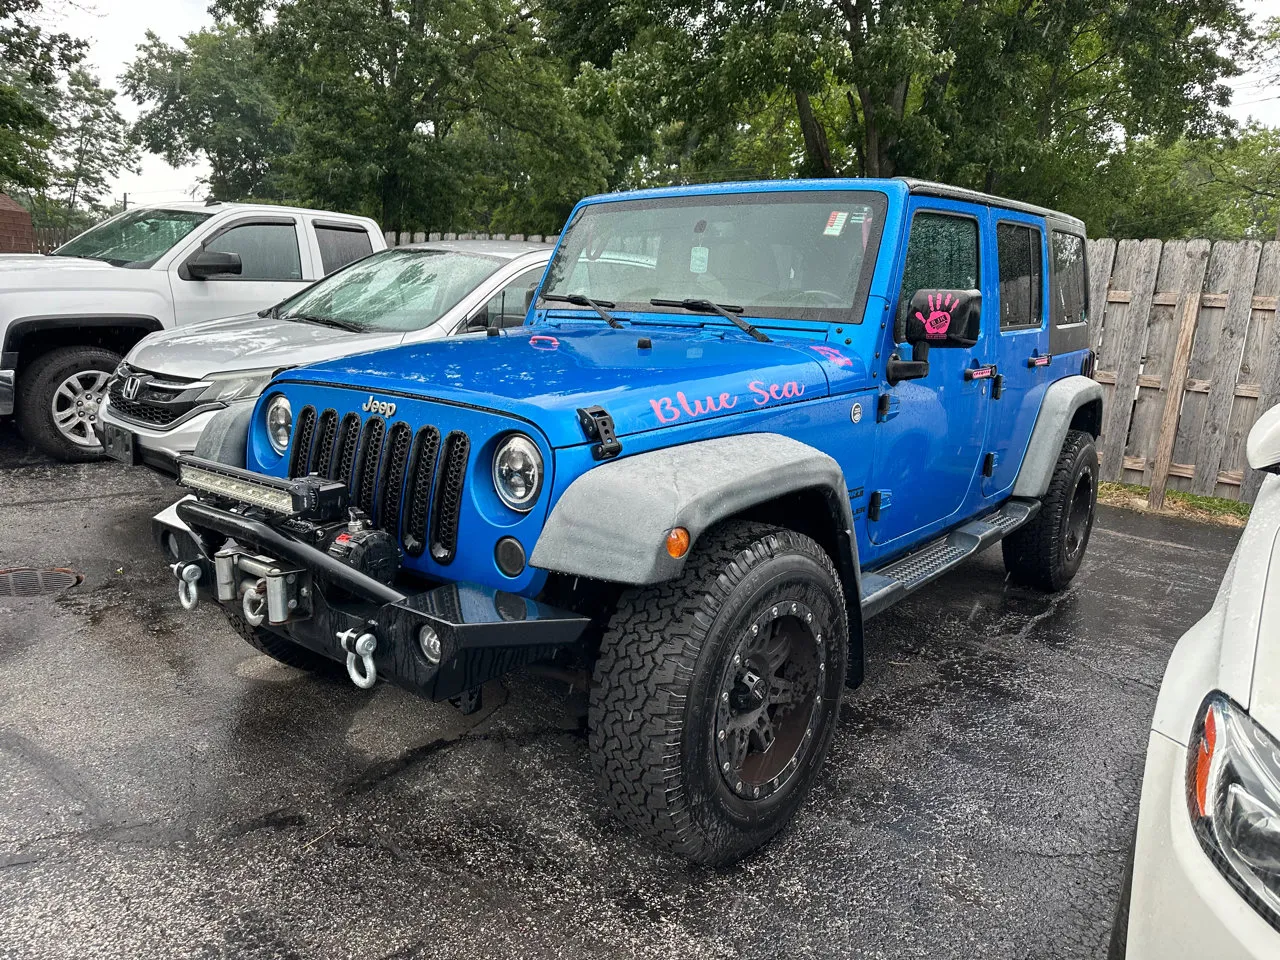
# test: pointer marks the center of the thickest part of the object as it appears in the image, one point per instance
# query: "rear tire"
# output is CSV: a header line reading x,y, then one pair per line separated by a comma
x,y
1047,552
715,696
58,398
278,648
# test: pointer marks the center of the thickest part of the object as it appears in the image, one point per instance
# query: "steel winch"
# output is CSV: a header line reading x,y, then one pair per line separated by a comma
x,y
267,590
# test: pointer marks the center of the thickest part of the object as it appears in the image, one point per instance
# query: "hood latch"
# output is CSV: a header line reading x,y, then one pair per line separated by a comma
x,y
598,425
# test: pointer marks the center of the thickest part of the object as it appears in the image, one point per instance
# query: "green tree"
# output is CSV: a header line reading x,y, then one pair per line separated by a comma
x,y
32,61
91,145
211,97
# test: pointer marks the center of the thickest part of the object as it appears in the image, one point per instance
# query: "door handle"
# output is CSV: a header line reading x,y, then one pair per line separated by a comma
x,y
980,373
1039,360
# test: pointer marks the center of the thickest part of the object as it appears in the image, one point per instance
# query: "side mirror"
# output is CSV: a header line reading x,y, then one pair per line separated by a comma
x,y
211,263
941,318
1262,449
934,318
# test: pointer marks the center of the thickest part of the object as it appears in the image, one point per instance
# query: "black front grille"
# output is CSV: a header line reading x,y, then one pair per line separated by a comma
x,y
411,484
156,403
304,432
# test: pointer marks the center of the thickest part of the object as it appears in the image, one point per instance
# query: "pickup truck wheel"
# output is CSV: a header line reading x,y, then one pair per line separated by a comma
x,y
715,696
58,399
278,648
1047,552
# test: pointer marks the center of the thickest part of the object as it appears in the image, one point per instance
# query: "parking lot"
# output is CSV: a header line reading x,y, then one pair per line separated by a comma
x,y
168,792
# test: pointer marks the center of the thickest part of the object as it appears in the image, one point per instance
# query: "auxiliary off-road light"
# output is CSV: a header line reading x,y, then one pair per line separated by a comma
x,y
279,422
307,498
1233,797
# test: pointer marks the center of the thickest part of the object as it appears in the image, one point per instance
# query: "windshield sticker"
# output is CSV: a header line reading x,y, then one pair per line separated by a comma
x,y
698,257
835,223
834,355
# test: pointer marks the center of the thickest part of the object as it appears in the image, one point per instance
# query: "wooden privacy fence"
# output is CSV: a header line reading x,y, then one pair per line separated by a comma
x,y
1189,357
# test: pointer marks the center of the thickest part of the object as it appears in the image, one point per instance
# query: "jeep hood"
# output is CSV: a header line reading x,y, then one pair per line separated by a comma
x,y
545,374
247,342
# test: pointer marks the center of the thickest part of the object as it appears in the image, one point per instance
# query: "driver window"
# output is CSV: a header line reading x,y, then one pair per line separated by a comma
x,y
942,254
268,251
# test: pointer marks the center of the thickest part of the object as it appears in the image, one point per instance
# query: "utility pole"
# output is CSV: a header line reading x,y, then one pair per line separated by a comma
x,y
124,204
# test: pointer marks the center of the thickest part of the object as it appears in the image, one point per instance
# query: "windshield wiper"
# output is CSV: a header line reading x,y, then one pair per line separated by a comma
x,y
325,321
579,300
727,310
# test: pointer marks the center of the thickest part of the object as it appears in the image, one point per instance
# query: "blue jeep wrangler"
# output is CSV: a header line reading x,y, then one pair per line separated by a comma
x,y
739,420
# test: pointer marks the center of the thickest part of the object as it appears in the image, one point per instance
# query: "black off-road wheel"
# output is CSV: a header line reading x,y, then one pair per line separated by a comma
x,y
1047,552
280,649
715,696
58,399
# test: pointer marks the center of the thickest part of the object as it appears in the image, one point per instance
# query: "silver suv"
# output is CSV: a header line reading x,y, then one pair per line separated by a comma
x,y
172,383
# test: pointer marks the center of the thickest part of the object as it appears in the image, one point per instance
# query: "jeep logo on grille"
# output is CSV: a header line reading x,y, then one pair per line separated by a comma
x,y
378,406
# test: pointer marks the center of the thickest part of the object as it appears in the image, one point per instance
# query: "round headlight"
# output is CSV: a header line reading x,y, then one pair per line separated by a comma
x,y
517,472
279,423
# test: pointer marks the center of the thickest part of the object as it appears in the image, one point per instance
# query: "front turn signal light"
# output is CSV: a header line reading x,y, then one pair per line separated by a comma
x,y
678,542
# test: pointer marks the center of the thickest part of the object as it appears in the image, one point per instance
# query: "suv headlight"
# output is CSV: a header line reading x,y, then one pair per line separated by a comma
x,y
1233,793
517,472
279,422
239,385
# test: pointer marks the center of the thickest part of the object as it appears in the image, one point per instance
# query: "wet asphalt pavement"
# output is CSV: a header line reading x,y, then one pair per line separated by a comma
x,y
167,792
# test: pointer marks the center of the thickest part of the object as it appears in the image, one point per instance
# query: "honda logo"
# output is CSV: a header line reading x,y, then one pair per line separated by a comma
x,y
131,387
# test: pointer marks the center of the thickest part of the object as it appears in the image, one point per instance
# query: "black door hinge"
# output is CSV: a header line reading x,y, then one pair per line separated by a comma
x,y
879,501
598,425
997,386
989,465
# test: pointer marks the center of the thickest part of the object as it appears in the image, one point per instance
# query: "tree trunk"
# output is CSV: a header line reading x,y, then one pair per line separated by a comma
x,y
817,152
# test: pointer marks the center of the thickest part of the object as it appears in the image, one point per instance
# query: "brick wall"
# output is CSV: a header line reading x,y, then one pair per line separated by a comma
x,y
16,235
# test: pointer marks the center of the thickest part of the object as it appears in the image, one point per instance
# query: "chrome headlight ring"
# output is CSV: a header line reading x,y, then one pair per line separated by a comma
x,y
279,417
518,472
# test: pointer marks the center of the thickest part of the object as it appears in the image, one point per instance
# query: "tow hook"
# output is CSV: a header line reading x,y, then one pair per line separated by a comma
x,y
360,650
188,575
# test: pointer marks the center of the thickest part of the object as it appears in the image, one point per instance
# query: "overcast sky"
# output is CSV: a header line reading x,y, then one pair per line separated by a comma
x,y
115,28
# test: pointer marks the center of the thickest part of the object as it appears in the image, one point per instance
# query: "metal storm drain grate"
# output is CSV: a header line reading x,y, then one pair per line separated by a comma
x,y
29,582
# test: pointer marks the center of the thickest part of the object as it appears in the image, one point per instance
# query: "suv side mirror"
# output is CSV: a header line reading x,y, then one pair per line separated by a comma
x,y
934,318
211,263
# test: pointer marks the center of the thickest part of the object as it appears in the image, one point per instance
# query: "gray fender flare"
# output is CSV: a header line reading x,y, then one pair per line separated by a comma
x,y
225,438
612,522
1061,402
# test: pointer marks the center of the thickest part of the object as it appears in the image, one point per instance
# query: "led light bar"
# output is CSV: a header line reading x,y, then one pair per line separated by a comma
x,y
309,498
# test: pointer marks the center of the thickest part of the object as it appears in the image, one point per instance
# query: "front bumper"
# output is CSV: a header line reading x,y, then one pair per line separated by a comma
x,y
157,447
1181,905
483,632
8,378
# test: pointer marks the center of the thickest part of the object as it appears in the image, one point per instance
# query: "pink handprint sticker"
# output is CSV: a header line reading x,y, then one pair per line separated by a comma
x,y
939,319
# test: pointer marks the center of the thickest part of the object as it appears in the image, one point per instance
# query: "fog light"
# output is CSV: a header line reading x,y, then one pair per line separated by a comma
x,y
509,556
429,642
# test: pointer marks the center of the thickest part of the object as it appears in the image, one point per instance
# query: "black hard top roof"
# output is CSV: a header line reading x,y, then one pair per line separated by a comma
x,y
928,188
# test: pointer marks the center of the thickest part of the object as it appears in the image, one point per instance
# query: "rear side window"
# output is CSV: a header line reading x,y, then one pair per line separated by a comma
x,y
339,246
942,254
1070,302
1021,275
268,251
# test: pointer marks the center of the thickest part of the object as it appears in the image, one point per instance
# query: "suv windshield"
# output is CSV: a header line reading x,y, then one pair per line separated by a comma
x,y
137,238
393,291
803,255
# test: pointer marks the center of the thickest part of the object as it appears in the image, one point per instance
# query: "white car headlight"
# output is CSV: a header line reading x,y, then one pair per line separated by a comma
x,y
1233,795
279,422
517,472
242,384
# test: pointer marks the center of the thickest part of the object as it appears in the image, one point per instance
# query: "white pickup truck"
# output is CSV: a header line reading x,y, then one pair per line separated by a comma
x,y
67,319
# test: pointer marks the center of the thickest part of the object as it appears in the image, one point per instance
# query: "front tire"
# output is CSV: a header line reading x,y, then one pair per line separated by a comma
x,y
715,696
1047,552
58,399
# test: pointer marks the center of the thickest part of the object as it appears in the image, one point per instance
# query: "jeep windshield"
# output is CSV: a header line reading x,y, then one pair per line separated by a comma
x,y
136,238
394,291
797,255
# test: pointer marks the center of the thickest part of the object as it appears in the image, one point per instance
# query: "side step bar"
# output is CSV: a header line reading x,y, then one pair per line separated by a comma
x,y
884,587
